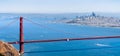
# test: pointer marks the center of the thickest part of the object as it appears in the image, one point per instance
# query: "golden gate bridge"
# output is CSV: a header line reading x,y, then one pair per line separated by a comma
x,y
22,41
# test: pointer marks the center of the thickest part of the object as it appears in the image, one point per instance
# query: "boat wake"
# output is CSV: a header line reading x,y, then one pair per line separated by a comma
x,y
101,44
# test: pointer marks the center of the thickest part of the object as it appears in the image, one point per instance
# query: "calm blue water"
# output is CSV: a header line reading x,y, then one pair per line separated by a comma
x,y
103,47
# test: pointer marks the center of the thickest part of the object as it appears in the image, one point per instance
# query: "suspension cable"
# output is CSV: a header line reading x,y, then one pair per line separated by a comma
x,y
10,23
40,25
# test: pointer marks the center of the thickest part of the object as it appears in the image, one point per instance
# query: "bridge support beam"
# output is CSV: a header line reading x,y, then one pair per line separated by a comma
x,y
21,39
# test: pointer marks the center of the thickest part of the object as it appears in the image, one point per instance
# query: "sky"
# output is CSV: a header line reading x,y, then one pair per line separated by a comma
x,y
59,6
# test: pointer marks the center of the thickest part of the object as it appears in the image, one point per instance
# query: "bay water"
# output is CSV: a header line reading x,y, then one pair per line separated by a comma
x,y
46,30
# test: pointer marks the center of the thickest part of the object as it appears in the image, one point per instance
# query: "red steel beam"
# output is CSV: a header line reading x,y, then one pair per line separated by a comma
x,y
66,39
21,39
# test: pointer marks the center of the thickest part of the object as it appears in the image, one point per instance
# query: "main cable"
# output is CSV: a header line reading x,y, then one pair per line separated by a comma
x,y
40,25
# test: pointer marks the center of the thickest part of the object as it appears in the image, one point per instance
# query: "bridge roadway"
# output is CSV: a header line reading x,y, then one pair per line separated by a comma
x,y
65,39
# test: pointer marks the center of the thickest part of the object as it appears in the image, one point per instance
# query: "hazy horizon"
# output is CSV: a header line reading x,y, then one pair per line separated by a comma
x,y
55,12
59,6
